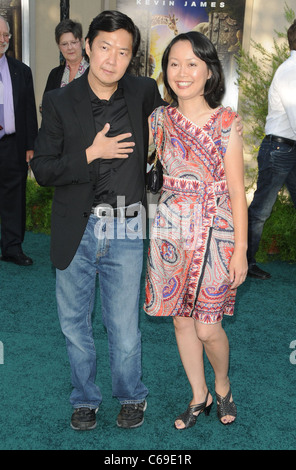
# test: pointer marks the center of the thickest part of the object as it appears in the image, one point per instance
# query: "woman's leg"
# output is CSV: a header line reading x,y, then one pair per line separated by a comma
x,y
191,353
215,342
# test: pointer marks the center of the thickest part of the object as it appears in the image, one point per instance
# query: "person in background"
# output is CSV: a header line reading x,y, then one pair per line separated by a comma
x,y
18,130
69,38
197,253
277,153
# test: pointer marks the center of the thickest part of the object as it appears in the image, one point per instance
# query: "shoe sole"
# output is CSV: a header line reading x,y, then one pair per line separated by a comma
x,y
130,427
11,260
261,278
83,428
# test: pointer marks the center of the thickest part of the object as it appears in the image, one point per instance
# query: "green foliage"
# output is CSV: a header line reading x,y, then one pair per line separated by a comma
x,y
279,234
255,74
38,207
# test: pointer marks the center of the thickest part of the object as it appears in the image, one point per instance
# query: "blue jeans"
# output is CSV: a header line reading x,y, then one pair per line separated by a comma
x,y
276,167
113,249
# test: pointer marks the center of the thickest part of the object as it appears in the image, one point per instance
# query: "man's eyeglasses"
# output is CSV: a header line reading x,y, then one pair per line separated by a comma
x,y
6,36
68,44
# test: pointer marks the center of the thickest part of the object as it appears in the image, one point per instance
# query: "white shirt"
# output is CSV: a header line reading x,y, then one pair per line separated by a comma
x,y
281,118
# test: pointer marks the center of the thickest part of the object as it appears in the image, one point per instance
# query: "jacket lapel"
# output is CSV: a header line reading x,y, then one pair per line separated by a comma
x,y
134,111
83,109
14,75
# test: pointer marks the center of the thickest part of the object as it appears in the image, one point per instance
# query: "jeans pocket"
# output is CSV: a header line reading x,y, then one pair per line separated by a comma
x,y
264,156
283,158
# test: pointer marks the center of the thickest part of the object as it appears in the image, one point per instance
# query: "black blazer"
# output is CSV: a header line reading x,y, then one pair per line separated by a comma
x,y
60,159
54,78
26,124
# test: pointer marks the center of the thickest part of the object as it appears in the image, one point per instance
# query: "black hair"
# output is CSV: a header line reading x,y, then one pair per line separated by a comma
x,y
292,36
112,20
205,50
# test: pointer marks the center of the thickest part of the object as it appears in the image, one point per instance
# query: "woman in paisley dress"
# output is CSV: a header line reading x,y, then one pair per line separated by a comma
x,y
198,240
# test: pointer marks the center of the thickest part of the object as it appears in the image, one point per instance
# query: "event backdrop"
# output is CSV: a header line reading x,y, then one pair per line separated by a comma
x,y
160,20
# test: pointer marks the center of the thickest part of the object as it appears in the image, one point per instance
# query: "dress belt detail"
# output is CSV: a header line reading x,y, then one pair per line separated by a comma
x,y
193,186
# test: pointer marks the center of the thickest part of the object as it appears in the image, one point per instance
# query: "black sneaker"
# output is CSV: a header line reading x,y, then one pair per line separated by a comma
x,y
131,415
83,419
258,273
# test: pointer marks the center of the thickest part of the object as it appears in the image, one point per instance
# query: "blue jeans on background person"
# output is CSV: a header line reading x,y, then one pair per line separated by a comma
x,y
113,249
276,167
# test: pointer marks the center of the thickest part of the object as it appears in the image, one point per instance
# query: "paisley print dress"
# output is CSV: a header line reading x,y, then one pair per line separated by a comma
x,y
192,235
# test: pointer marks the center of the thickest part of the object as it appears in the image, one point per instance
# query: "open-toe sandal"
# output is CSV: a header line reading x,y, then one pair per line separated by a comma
x,y
189,418
225,407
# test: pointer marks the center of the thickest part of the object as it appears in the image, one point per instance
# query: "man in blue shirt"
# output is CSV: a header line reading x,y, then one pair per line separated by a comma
x,y
18,130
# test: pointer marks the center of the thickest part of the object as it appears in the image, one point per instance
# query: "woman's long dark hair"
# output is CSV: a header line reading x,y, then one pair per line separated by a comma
x,y
204,49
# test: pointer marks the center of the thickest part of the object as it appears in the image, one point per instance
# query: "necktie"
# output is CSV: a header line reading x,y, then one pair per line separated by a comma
x,y
2,131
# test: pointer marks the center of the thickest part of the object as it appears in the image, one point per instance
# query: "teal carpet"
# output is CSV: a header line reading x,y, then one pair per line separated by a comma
x,y
35,377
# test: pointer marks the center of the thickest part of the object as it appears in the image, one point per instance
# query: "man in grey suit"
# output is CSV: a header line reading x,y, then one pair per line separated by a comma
x,y
18,130
92,147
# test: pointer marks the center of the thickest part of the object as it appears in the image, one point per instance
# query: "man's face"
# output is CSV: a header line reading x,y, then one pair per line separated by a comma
x,y
4,37
109,57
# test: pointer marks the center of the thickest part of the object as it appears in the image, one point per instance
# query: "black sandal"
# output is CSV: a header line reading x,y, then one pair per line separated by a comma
x,y
189,418
225,407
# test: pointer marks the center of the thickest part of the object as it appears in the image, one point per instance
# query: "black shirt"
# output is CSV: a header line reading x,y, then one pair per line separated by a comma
x,y
118,181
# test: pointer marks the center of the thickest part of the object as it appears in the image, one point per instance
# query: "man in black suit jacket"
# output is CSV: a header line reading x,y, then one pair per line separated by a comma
x,y
92,147
18,132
